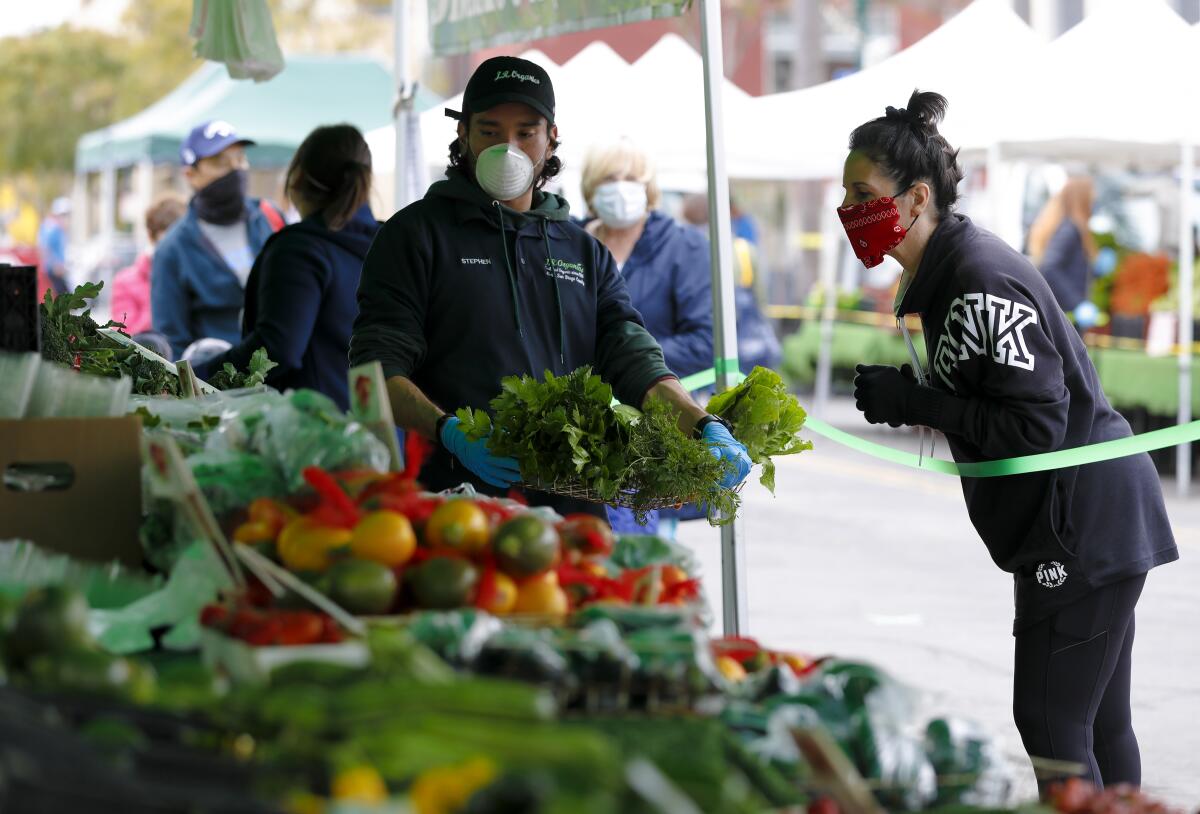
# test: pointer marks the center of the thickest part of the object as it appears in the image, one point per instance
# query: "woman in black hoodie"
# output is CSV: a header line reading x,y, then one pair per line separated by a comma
x,y
1009,376
301,296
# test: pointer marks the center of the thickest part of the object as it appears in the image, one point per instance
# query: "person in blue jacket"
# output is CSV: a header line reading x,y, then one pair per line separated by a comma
x,y
200,268
301,299
1009,376
665,266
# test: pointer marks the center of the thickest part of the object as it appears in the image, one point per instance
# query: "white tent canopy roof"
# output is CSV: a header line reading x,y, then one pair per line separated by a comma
x,y
1113,88
973,60
601,98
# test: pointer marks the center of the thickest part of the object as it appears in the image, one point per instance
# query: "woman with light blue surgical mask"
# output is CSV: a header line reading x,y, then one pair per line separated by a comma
x,y
665,264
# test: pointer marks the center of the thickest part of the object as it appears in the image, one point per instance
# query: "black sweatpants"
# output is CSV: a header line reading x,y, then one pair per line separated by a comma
x,y
1071,685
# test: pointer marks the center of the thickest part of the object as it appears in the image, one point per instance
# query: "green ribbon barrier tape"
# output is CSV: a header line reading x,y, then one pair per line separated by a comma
x,y
1078,456
1062,459
707,378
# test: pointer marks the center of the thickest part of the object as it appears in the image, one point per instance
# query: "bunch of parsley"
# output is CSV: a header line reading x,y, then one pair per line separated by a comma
x,y
765,417
564,430
230,378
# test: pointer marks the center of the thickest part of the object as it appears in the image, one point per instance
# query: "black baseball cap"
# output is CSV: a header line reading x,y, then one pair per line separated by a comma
x,y
508,79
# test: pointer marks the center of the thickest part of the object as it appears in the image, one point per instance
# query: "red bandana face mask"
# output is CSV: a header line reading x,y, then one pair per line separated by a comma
x,y
873,228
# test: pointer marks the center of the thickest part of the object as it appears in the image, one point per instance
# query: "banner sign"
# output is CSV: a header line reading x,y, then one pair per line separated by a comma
x,y
461,26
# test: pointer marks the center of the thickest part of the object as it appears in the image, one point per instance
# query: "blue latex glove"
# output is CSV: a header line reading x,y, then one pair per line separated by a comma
x,y
727,448
476,456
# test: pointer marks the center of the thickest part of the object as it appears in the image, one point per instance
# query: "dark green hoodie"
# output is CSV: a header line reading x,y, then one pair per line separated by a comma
x,y
459,291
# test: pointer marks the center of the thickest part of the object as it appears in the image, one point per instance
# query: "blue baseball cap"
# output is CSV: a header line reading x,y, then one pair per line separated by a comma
x,y
208,139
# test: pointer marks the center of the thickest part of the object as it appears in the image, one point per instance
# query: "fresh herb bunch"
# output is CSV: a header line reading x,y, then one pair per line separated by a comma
x,y
663,462
765,417
564,430
560,430
75,340
230,378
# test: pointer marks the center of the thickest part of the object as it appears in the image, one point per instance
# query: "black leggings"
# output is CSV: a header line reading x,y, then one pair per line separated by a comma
x,y
1071,687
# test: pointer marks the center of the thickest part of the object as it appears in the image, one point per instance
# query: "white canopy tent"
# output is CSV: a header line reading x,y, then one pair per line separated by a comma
x,y
1125,110
601,98
976,60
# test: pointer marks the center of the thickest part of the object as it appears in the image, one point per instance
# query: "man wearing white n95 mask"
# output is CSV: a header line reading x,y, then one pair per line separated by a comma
x,y
487,277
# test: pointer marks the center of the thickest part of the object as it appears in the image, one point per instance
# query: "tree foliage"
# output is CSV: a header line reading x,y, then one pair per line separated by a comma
x,y
59,83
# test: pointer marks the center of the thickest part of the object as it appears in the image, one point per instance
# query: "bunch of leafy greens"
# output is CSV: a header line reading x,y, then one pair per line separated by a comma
x,y
230,378
765,417
75,340
564,431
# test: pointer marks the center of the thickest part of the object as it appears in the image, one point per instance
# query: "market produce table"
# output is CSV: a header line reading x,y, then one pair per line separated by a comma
x,y
1131,379
852,345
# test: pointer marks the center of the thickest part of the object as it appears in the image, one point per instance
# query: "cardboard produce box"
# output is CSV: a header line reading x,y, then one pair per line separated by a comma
x,y
73,485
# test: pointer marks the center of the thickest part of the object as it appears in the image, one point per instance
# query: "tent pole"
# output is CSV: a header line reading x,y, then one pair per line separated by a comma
x,y
831,245
1187,175
403,104
733,555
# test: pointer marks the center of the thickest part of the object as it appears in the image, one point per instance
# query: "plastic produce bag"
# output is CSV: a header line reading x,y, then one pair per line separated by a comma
x,y
239,33
307,429
456,636
967,763
24,566
195,581
634,551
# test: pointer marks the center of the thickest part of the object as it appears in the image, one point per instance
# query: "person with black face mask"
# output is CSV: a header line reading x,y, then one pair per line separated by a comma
x,y
198,281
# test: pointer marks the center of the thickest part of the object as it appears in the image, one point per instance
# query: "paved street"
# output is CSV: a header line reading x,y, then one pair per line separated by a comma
x,y
871,560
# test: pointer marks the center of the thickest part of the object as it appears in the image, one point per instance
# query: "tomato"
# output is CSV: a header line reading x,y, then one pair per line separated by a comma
x,y
673,575
384,537
299,627
824,805
461,525
360,784
586,534
800,665
542,596
525,546
306,546
214,615
731,668
254,531
497,593
271,513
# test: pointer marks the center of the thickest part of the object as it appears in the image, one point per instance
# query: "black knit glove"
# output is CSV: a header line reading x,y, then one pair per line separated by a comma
x,y
882,393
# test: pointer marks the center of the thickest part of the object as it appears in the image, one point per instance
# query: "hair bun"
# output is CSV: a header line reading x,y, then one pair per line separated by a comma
x,y
926,110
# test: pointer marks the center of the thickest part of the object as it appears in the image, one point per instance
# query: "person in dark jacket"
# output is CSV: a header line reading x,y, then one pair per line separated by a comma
x,y
665,267
201,266
487,277
1009,376
301,298
1061,243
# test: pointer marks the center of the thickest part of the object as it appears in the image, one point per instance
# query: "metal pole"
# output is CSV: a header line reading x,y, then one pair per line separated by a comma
x,y
1187,177
830,255
403,108
720,230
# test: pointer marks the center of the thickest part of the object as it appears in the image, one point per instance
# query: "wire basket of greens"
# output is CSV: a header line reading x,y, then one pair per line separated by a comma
x,y
570,439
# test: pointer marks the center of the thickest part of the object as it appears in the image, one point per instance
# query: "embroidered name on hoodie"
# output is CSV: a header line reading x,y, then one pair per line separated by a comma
x,y
571,272
476,261
986,325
